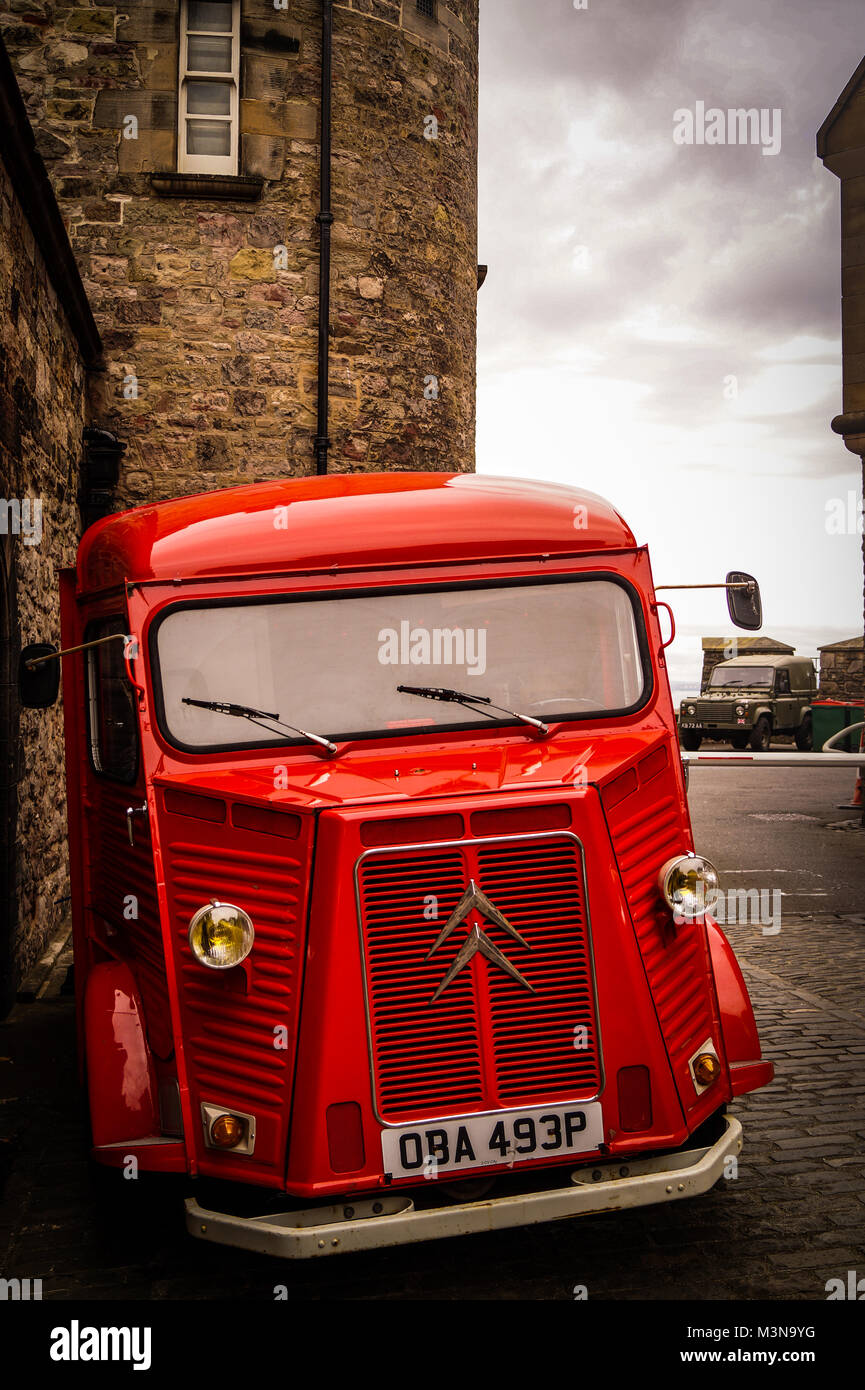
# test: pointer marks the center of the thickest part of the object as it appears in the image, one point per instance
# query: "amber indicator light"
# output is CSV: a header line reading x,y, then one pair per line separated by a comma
x,y
707,1068
227,1131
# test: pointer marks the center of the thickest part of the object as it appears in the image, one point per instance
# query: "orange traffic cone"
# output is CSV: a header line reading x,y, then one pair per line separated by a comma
x,y
856,803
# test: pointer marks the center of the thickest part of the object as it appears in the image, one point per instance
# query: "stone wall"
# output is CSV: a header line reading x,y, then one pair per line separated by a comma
x,y
42,415
841,146
842,671
208,309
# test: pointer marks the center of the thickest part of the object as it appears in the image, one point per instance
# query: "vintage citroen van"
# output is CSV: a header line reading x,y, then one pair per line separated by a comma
x,y
386,905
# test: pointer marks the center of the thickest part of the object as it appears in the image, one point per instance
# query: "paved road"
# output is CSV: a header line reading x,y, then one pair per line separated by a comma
x,y
792,1219
771,828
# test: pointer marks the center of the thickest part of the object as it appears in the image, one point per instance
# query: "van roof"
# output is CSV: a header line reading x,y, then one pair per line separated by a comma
x,y
353,521
766,659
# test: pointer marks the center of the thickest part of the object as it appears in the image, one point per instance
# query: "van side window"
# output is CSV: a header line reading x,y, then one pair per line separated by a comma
x,y
782,683
112,718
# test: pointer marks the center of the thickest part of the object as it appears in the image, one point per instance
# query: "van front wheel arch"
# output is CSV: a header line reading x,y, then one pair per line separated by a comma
x,y
120,1079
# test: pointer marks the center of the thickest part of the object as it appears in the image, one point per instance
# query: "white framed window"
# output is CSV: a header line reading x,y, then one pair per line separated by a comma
x,y
207,136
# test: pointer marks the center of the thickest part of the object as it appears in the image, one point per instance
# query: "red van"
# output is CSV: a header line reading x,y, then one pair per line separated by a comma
x,y
386,906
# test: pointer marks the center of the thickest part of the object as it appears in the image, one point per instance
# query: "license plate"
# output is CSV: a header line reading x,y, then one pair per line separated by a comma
x,y
688,724
481,1141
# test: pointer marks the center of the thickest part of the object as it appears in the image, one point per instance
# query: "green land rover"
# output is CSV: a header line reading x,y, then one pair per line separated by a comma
x,y
748,700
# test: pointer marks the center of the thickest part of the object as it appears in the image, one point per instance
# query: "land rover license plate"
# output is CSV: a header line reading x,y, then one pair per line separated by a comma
x,y
480,1141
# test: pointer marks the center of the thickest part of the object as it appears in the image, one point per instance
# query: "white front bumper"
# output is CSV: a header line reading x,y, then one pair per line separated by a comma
x,y
393,1219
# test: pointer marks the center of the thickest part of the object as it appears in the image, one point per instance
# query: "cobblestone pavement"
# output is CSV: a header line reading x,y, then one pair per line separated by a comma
x,y
794,1217
784,829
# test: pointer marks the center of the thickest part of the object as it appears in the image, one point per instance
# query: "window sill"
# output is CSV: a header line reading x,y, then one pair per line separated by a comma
x,y
239,188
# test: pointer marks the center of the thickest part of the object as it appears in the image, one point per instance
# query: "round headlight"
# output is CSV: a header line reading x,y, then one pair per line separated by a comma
x,y
692,709
221,935
689,884
741,709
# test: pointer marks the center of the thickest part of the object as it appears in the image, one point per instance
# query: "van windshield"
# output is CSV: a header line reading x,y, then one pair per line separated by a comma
x,y
551,651
738,677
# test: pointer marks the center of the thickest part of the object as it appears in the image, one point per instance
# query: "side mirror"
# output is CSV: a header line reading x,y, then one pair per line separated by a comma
x,y
38,685
745,605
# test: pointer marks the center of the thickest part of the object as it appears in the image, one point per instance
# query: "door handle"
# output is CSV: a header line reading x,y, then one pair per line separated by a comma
x,y
131,812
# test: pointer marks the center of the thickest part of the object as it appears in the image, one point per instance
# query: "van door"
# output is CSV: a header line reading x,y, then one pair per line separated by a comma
x,y
120,898
786,703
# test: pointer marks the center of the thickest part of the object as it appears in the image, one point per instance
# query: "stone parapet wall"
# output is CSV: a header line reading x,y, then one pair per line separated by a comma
x,y
842,675
208,309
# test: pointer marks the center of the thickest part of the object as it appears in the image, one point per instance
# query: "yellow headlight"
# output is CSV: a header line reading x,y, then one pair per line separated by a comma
x,y
221,935
689,884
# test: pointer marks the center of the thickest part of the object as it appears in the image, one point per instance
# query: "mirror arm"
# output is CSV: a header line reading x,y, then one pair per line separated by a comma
x,y
85,646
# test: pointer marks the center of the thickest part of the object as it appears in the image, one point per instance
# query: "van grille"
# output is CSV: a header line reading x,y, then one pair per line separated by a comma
x,y
487,1042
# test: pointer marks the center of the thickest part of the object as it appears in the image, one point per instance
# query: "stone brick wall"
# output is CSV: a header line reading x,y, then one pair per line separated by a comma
x,y
210,330
842,673
841,146
42,415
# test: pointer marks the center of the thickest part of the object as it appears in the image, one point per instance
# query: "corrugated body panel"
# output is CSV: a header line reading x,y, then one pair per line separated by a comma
x,y
240,1026
646,830
230,1038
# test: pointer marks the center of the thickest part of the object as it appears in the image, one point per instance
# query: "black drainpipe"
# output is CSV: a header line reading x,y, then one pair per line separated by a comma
x,y
10,772
325,222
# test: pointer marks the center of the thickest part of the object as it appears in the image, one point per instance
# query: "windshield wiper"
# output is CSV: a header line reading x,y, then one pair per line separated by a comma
x,y
255,716
456,697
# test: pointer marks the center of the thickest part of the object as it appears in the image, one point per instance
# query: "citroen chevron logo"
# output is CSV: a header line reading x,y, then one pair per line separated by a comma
x,y
477,940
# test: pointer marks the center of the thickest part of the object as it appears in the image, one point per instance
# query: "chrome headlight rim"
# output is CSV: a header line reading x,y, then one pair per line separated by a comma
x,y
709,882
248,931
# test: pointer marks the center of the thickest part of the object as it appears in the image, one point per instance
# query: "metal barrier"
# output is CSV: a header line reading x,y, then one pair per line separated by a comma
x,y
826,758
791,759
844,733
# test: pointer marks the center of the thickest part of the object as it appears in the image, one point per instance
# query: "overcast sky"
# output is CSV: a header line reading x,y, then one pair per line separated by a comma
x,y
631,277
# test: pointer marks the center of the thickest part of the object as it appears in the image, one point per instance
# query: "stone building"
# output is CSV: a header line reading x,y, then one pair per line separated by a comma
x,y
47,339
251,325
717,649
841,146
842,670
182,138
